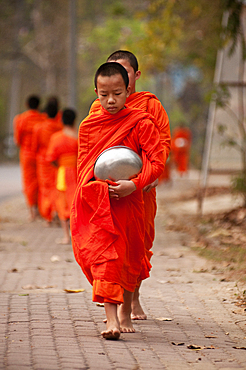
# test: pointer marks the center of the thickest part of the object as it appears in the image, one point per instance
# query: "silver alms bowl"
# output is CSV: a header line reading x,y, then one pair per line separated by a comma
x,y
117,163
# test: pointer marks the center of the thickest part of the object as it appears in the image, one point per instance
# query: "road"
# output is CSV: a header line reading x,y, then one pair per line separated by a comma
x,y
10,183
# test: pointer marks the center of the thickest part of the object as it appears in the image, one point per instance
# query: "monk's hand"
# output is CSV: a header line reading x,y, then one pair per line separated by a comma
x,y
124,188
150,186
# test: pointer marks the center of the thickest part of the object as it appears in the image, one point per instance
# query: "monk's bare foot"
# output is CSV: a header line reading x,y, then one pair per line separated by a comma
x,y
125,321
137,311
63,241
112,334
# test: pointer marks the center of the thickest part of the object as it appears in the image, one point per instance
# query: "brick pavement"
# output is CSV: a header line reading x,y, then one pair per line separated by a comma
x,y
43,327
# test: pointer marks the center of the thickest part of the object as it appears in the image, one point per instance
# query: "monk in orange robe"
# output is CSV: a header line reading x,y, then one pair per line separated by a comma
x,y
62,152
147,102
53,100
24,125
181,142
107,219
46,171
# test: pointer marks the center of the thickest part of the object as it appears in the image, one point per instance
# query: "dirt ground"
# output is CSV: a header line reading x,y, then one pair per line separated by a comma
x,y
219,233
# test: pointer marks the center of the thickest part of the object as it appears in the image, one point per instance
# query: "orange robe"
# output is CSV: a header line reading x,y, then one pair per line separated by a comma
x,y
46,171
181,141
24,125
63,149
108,234
148,102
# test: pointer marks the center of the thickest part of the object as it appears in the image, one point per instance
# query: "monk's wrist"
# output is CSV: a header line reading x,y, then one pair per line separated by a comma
x,y
135,186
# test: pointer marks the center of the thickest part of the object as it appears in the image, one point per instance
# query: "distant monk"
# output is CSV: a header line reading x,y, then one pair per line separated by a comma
x,y
46,171
62,152
53,100
24,125
181,143
149,103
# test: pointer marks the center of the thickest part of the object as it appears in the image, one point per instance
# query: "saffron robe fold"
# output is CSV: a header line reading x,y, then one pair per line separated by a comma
x,y
148,102
63,149
46,171
24,125
108,234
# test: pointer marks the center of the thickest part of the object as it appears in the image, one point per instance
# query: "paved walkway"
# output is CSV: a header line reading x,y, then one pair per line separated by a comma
x,y
44,327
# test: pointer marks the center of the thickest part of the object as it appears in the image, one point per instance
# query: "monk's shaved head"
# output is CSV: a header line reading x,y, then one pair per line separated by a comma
x,y
33,102
111,69
124,54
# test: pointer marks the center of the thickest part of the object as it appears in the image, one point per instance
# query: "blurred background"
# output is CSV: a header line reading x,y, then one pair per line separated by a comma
x,y
53,47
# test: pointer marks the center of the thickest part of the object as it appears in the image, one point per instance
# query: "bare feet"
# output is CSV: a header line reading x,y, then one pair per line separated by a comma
x,y
113,327
137,311
112,334
125,319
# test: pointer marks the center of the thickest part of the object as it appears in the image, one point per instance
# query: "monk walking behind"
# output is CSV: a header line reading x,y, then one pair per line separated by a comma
x,y
46,171
62,153
181,143
147,102
24,125
107,223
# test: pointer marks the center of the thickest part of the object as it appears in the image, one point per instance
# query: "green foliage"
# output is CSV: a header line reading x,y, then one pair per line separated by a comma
x,y
239,185
221,95
233,31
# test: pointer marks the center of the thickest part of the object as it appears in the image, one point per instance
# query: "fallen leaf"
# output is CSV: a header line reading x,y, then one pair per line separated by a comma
x,y
219,232
178,344
239,347
28,287
13,270
194,346
55,258
74,290
164,319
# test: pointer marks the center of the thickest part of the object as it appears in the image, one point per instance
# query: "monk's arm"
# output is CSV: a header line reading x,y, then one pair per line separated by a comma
x,y
156,109
17,130
149,140
52,154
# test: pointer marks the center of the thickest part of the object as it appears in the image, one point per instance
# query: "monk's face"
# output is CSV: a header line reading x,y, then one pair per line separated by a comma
x,y
112,92
133,76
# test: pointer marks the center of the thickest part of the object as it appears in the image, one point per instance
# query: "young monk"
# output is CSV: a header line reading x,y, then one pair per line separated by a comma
x,y
24,125
107,222
46,171
147,102
181,144
62,153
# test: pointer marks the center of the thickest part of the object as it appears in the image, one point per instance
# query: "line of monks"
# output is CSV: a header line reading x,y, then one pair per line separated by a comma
x,y
48,159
